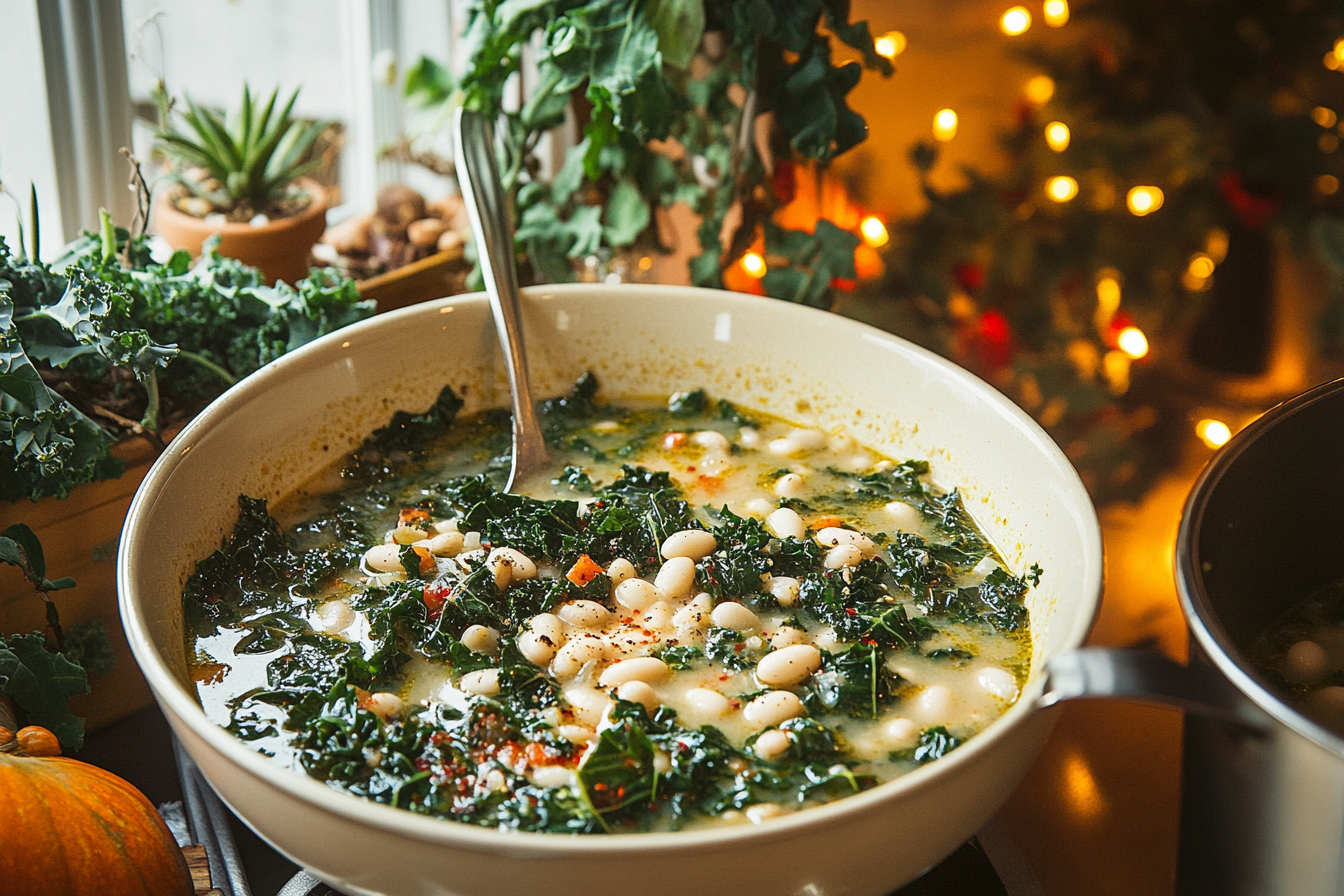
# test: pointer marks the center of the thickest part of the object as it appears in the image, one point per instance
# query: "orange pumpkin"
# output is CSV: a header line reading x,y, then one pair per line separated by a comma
x,y
71,829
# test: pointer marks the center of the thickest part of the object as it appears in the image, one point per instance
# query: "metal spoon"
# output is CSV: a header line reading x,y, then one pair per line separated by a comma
x,y
478,178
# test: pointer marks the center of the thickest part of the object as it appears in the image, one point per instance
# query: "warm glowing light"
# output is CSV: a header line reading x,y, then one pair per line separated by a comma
x,y
1057,136
1339,51
1039,90
1083,796
1327,185
1215,245
1213,433
1144,200
1201,266
754,265
1328,142
1061,188
945,125
1324,117
1017,20
1056,12
890,45
1115,365
1108,294
1132,342
1331,62
874,231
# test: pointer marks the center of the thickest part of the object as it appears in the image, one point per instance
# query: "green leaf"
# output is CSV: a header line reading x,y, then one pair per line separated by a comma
x,y
680,25
40,683
428,83
627,216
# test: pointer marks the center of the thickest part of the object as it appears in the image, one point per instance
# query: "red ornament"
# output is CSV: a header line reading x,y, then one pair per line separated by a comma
x,y
996,347
1251,210
969,276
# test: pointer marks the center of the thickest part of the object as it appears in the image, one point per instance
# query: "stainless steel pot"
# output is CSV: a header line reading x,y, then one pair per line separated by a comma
x,y
1263,800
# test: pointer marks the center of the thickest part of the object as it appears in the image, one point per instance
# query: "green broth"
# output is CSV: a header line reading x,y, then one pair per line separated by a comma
x,y
373,640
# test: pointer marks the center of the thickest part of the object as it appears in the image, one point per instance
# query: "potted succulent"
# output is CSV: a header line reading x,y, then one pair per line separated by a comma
x,y
243,179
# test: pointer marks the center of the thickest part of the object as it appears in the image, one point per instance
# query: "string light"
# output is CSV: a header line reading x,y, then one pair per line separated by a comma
x,y
1201,265
1061,188
874,231
1143,200
1056,12
1108,298
1339,51
1015,21
1039,90
1327,185
1213,433
754,265
1328,142
1057,136
1324,117
1115,364
945,125
1132,342
890,45
1215,245
1331,62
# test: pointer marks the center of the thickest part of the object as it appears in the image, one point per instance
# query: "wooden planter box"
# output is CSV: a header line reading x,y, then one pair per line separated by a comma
x,y
79,537
432,277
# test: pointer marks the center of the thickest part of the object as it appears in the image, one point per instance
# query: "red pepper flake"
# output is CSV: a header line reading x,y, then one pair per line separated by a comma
x,y
851,611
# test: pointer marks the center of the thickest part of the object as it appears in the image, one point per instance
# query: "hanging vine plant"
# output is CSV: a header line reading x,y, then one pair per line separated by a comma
x,y
706,102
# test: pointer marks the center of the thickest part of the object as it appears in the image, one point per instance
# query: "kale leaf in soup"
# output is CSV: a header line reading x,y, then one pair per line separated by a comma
x,y
711,616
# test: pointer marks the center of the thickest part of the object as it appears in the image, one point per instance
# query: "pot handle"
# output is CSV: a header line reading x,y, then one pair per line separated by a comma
x,y
1147,677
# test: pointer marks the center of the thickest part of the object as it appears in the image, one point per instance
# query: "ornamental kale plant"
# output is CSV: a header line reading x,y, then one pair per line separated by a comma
x,y
106,322
670,94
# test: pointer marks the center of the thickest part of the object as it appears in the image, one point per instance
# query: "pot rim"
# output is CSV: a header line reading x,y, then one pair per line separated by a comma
x,y
1196,605
163,206
175,698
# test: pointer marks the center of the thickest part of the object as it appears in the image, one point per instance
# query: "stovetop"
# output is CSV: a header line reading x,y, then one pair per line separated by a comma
x,y
141,750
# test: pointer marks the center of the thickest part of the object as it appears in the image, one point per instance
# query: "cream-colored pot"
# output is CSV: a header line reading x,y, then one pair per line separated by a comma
x,y
285,422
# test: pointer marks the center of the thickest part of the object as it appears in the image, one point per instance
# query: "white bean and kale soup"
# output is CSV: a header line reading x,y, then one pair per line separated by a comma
x,y
1302,654
710,615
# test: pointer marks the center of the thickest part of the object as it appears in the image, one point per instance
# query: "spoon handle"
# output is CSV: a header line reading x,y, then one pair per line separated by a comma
x,y
478,180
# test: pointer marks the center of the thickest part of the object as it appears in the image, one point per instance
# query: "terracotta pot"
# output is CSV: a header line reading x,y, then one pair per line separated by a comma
x,y
280,248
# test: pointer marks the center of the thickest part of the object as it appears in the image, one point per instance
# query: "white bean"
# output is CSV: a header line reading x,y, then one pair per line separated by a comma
x,y
443,527
826,638
588,704
385,706
482,682
749,437
333,616
676,578
471,541
900,734
658,616
708,438
787,636
551,776
636,594
935,701
772,708
584,614
639,692
694,543
831,536
843,555
577,653
786,523
408,534
619,570
1306,663
704,705
999,682
647,669
550,625
790,485
733,615
903,516
481,639
763,812
576,734
538,649
695,615
772,744
509,566
447,544
759,507
384,558
788,665
784,588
